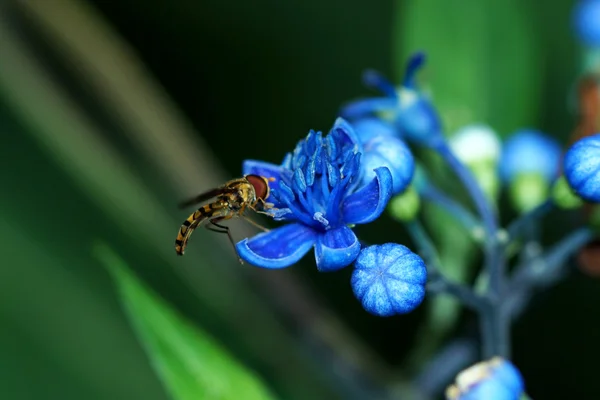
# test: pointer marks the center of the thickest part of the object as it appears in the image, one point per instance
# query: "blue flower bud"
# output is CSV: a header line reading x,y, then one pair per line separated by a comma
x,y
417,119
530,152
586,17
390,152
368,128
479,148
407,108
582,168
495,379
389,279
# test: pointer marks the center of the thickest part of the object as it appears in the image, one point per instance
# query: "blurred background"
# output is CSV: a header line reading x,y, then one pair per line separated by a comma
x,y
112,112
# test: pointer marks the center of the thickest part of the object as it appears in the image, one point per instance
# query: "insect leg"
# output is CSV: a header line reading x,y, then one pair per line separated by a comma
x,y
215,227
263,206
256,224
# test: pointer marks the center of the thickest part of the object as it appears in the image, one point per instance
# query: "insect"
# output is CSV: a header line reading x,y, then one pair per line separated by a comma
x,y
231,200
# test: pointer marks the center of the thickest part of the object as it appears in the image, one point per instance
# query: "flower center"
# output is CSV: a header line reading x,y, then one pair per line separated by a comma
x,y
319,174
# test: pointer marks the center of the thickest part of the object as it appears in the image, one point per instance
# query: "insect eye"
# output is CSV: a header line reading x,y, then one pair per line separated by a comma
x,y
261,187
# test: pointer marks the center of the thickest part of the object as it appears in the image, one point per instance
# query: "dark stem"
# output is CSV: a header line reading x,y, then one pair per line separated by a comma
x,y
481,203
520,225
442,368
543,272
495,327
495,320
494,259
438,282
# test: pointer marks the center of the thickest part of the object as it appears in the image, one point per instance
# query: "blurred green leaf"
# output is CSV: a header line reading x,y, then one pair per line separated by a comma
x,y
485,62
191,364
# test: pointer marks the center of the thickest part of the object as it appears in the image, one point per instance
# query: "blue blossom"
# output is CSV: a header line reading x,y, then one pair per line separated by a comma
x,y
582,168
585,20
389,279
408,109
318,191
496,379
530,152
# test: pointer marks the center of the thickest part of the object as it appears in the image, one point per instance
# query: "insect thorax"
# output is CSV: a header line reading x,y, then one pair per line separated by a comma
x,y
244,196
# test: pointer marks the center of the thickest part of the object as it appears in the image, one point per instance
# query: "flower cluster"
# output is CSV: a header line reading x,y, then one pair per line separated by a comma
x,y
330,183
324,187
320,189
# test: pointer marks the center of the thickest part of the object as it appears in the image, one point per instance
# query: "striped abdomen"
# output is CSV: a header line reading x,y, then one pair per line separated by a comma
x,y
193,221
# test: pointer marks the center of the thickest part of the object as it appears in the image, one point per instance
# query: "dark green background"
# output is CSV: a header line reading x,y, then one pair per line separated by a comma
x,y
253,78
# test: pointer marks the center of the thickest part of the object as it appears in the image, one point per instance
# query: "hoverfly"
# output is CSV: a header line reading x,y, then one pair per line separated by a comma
x,y
231,200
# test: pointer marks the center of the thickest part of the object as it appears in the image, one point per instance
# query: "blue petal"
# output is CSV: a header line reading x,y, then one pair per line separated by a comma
x,y
336,249
510,377
361,108
375,80
368,203
415,63
346,137
501,381
278,248
419,122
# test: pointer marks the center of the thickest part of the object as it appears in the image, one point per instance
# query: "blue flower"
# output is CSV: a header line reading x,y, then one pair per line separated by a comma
x,y
585,20
530,152
408,109
319,191
389,279
371,127
496,379
582,168
390,152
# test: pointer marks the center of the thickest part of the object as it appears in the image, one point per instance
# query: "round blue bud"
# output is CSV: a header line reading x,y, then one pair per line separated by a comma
x,y
530,152
495,379
582,168
389,279
368,128
390,152
586,21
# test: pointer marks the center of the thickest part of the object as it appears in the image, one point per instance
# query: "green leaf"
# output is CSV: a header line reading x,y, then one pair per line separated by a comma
x,y
191,364
484,59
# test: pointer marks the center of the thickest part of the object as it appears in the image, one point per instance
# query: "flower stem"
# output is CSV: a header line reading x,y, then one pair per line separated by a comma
x,y
494,320
441,369
481,203
494,253
495,326
542,272
439,283
519,226
465,217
